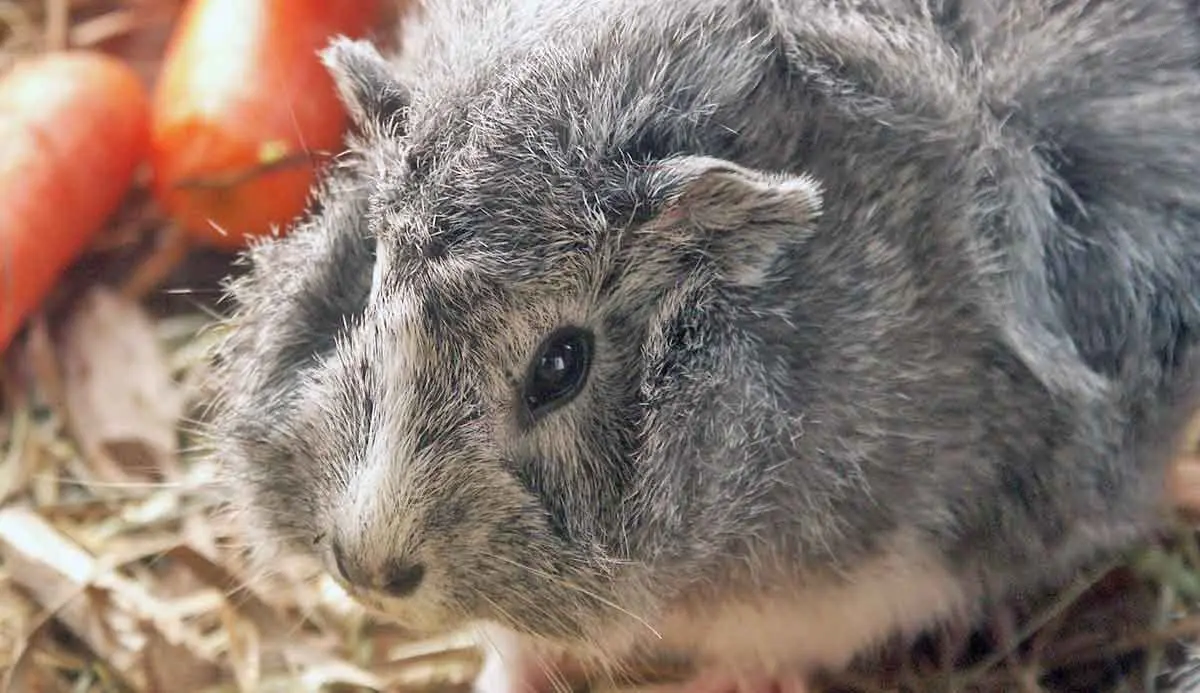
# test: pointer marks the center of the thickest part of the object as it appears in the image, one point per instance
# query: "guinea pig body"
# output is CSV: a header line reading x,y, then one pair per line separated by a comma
x,y
749,332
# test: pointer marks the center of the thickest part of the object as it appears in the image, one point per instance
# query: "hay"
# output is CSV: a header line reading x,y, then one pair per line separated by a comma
x,y
116,574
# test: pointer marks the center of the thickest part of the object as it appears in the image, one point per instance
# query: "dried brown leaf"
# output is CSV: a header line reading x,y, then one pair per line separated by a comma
x,y
26,675
41,360
172,667
241,596
123,405
116,617
57,573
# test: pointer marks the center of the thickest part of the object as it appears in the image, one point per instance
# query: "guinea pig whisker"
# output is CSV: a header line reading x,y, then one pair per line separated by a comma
x,y
530,605
553,672
558,680
584,591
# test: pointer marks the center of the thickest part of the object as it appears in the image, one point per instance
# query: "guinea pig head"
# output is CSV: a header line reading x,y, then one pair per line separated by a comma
x,y
481,425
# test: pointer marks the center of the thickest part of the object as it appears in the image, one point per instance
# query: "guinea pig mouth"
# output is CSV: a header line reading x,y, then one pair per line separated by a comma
x,y
419,616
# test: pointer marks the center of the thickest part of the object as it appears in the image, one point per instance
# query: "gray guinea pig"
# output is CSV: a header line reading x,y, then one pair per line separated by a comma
x,y
752,333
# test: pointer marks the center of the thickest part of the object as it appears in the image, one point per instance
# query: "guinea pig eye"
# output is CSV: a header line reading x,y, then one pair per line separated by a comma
x,y
558,370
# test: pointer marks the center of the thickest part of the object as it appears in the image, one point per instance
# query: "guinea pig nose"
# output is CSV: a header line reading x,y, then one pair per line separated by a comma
x,y
403,578
399,578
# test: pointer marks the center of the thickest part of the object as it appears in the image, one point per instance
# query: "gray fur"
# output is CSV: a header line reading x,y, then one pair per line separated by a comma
x,y
855,270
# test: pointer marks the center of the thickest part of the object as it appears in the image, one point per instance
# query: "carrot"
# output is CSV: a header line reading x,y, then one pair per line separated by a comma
x,y
74,126
242,104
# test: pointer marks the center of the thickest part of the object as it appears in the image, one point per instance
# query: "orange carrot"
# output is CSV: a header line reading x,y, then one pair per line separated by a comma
x,y
74,126
242,104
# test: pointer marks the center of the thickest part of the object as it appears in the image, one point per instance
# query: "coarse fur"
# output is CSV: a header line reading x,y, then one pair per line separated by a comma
x,y
888,297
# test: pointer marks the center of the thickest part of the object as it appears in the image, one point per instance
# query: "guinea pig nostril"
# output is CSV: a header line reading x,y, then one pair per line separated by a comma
x,y
403,578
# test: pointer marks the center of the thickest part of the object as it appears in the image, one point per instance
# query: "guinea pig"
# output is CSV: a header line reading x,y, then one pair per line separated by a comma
x,y
746,333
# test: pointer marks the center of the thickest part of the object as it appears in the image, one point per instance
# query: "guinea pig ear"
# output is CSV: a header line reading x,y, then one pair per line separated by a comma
x,y
375,100
739,218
